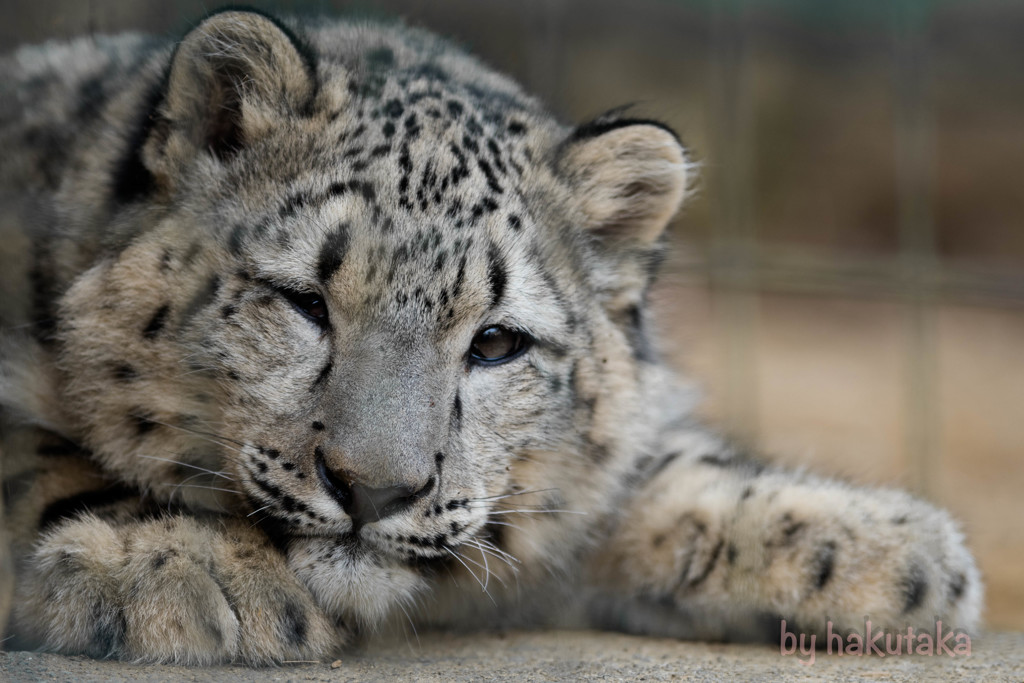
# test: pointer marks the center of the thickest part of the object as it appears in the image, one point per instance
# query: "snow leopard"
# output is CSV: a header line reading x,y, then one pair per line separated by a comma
x,y
315,330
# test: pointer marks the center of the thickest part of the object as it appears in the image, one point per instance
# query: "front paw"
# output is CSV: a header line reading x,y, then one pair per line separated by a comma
x,y
845,556
67,596
174,605
168,590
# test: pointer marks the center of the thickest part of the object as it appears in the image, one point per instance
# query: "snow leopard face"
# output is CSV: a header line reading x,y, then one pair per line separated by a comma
x,y
372,292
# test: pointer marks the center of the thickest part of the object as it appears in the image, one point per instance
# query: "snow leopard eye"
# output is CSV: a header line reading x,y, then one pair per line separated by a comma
x,y
309,304
495,345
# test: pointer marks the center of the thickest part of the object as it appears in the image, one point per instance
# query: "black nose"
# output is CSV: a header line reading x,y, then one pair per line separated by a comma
x,y
365,504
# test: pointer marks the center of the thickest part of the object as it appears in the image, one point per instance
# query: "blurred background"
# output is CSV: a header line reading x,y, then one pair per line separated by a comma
x,y
847,282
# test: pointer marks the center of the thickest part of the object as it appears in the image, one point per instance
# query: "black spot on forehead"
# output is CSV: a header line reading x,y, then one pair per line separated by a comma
x,y
497,277
456,416
332,252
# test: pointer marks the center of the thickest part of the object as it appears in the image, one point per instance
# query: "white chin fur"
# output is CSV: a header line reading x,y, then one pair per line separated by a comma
x,y
351,581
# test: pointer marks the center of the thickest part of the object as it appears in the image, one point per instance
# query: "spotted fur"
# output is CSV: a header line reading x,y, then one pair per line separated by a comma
x,y
246,411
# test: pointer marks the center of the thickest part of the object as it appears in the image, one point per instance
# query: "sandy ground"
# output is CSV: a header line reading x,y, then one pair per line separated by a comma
x,y
557,656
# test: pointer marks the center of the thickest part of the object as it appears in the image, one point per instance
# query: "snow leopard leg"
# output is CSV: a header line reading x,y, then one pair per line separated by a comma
x,y
109,574
736,546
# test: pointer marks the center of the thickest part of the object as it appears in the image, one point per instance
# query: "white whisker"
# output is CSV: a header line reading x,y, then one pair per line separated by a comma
x,y
259,521
511,495
487,567
487,571
411,624
508,524
260,510
490,546
460,561
214,438
187,464
536,512
199,486
484,552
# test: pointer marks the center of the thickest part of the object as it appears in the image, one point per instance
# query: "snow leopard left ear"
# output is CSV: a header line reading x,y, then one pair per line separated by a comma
x,y
628,177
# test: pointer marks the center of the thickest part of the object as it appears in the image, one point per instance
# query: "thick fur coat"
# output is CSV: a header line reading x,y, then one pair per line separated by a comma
x,y
315,328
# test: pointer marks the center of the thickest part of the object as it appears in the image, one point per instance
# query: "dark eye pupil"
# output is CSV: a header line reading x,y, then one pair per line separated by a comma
x,y
495,344
310,304
313,306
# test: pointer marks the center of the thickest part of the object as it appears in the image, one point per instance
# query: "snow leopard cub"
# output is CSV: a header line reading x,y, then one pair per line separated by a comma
x,y
314,327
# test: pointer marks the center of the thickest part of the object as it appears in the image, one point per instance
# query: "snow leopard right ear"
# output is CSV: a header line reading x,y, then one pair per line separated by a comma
x,y
232,78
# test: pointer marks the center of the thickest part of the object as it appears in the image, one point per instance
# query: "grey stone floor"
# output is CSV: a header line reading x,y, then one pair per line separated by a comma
x,y
557,656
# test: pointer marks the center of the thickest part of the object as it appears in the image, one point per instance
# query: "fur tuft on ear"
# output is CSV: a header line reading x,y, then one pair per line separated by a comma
x,y
230,79
628,178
